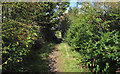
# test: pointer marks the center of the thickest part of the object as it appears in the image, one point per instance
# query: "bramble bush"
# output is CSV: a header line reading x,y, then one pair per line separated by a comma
x,y
17,39
91,35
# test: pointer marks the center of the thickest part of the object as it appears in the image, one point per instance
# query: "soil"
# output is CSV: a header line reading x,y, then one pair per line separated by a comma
x,y
54,60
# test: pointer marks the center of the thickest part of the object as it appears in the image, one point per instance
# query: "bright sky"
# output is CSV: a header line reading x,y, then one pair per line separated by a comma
x,y
73,3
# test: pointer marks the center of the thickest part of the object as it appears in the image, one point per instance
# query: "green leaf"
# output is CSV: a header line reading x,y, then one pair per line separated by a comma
x,y
30,40
3,35
26,45
6,62
35,34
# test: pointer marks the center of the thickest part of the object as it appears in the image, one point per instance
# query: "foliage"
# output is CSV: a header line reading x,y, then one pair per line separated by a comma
x,y
44,14
91,35
63,24
58,34
17,39
20,28
93,30
38,61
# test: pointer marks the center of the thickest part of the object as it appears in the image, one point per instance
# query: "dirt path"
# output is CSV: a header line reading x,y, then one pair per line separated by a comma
x,y
54,60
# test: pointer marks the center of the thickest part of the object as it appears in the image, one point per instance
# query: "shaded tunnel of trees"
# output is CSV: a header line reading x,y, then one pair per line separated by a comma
x,y
31,29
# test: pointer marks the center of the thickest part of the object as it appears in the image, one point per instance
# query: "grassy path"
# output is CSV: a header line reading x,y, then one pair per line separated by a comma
x,y
65,60
53,58
69,60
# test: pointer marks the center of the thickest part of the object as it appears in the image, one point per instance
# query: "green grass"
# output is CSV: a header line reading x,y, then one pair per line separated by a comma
x,y
0,67
69,63
36,61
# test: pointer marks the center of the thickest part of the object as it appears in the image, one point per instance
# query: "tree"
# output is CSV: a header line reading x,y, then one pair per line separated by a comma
x,y
92,35
19,28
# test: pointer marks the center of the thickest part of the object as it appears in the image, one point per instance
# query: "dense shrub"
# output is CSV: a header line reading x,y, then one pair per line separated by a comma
x,y
91,36
17,39
19,31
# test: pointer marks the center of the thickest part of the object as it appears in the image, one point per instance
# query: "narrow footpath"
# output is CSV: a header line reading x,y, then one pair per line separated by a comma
x,y
54,60
63,59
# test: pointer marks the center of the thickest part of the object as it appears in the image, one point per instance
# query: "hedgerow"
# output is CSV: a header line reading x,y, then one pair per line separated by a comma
x,y
91,36
17,39
21,23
